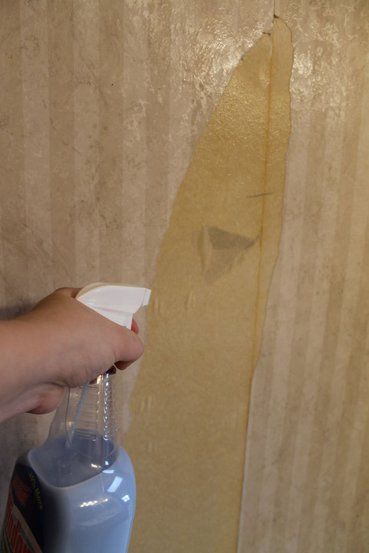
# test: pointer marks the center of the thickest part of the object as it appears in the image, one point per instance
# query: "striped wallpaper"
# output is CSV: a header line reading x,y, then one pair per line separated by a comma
x,y
101,106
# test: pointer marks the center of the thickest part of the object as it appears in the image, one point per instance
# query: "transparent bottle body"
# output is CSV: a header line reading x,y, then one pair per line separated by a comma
x,y
87,481
82,438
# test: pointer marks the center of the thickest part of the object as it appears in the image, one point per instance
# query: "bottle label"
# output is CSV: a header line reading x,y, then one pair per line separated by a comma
x,y
22,531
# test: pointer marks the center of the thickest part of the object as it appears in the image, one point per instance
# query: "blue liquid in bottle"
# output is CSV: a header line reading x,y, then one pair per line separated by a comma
x,y
76,492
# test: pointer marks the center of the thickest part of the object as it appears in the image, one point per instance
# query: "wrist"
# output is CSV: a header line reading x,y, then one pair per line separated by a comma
x,y
51,346
26,350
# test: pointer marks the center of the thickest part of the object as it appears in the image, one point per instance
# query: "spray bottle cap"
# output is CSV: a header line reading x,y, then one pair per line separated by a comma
x,y
114,301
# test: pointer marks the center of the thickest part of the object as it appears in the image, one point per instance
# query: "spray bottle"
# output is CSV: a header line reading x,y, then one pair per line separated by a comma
x,y
76,492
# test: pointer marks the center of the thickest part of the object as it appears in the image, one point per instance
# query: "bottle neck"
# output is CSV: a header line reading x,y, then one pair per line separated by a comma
x,y
86,420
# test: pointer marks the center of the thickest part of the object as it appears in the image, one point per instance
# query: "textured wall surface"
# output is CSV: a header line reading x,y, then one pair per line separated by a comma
x,y
212,279
102,104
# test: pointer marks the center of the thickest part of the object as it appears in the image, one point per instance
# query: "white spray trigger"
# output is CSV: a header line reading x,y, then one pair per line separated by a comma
x,y
115,301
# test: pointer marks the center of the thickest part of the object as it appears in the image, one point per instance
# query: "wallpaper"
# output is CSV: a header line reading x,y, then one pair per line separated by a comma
x,y
216,151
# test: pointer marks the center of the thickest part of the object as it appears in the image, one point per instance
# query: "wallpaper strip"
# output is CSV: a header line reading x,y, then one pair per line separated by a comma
x,y
352,467
86,146
136,176
61,147
13,229
157,128
190,404
35,99
306,484
109,187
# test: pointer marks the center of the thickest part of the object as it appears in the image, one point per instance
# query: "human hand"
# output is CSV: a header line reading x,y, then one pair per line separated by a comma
x,y
63,344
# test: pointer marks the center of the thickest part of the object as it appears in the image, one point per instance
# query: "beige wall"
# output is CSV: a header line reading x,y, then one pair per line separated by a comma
x,y
102,105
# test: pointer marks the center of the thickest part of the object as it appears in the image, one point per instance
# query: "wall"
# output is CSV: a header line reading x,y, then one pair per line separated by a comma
x,y
102,105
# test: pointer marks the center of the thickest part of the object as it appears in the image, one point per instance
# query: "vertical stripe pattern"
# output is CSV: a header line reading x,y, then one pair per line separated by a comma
x,y
307,430
13,199
61,137
86,150
102,103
